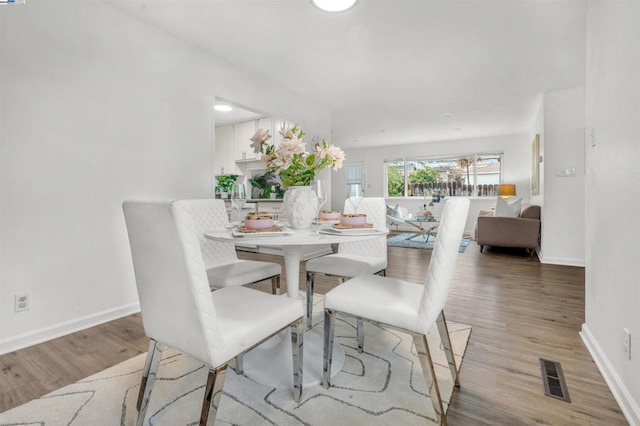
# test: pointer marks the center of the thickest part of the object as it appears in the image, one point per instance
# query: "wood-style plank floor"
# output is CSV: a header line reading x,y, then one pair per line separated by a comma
x,y
520,310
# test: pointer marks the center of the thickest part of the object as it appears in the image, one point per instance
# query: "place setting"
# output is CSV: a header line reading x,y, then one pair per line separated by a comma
x,y
257,224
339,223
349,224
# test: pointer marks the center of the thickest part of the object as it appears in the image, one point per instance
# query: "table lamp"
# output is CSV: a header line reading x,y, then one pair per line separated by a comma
x,y
506,190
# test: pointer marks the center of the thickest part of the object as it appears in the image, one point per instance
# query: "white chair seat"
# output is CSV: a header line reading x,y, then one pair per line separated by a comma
x,y
346,265
382,299
240,272
246,316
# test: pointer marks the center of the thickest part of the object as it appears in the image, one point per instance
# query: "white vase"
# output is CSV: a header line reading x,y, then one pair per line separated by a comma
x,y
300,206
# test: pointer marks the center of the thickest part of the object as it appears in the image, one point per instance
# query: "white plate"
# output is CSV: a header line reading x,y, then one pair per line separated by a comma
x,y
325,222
237,224
283,231
354,231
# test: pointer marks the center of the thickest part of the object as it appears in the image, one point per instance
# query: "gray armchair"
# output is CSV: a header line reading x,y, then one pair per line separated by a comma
x,y
521,232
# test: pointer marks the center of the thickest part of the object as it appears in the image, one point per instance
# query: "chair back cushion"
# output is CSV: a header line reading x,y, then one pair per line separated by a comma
x,y
395,212
376,210
210,214
174,293
530,211
443,260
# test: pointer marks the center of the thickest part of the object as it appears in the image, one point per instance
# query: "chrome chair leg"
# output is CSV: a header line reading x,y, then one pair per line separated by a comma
x,y
360,324
360,334
151,365
297,346
310,279
275,285
329,327
240,364
443,330
212,393
422,348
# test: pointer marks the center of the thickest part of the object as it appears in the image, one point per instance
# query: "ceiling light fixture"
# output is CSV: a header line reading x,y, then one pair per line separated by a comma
x,y
446,115
334,5
222,108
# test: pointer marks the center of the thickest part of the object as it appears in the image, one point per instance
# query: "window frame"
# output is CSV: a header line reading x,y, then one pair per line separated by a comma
x,y
426,159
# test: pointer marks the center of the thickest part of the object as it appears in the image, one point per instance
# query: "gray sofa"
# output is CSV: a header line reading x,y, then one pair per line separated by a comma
x,y
521,232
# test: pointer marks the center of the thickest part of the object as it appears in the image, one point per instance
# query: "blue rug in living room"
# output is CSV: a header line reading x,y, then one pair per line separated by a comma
x,y
401,240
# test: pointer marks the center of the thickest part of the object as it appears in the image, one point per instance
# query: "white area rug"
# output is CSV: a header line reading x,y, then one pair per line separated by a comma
x,y
382,386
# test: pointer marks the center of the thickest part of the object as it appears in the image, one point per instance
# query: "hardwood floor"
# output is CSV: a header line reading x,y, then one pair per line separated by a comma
x,y
520,311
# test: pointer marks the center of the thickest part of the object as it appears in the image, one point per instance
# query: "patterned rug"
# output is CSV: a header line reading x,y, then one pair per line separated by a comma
x,y
419,242
382,386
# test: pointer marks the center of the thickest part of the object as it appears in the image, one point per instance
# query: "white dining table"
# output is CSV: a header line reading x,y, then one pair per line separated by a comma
x,y
270,363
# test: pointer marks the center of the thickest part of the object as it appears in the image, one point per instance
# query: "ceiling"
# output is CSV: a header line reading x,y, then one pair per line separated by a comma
x,y
389,69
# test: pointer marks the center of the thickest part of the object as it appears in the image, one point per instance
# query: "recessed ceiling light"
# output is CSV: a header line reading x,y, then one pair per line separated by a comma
x,y
457,128
222,108
446,115
334,5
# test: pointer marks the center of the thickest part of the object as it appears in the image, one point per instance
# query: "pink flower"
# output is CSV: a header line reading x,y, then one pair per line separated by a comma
x,y
260,137
280,162
287,133
335,154
292,146
268,158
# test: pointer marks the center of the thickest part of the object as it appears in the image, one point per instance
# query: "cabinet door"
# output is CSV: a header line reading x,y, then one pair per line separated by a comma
x,y
242,135
223,160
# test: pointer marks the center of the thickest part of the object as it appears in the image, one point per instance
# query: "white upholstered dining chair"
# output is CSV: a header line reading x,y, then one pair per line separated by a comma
x,y
224,269
179,309
353,258
409,307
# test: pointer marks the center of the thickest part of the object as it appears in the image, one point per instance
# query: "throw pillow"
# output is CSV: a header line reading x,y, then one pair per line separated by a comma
x,y
394,212
508,209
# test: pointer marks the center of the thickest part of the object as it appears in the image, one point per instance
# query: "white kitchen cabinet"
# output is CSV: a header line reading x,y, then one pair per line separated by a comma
x,y
242,133
224,155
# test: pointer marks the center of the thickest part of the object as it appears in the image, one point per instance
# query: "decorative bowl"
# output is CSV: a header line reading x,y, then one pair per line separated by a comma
x,y
258,222
353,219
330,215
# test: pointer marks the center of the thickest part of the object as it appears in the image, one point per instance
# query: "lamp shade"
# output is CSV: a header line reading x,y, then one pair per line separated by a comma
x,y
507,190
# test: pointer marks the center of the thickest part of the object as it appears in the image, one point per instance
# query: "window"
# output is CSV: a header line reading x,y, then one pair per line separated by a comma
x,y
355,174
466,175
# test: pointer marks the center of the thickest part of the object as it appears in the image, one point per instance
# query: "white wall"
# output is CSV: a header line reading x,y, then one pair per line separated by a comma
x,y
563,217
516,168
98,107
613,197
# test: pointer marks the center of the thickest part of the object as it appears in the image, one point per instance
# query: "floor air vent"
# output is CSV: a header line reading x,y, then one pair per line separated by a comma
x,y
553,382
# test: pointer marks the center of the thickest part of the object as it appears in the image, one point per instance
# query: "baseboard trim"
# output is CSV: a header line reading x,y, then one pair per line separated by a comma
x,y
562,261
620,392
44,334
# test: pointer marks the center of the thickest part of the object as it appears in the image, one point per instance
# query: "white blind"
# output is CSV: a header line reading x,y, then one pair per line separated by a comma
x,y
355,173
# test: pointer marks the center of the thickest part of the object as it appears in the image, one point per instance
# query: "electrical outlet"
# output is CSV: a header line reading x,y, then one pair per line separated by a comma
x,y
22,302
627,342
